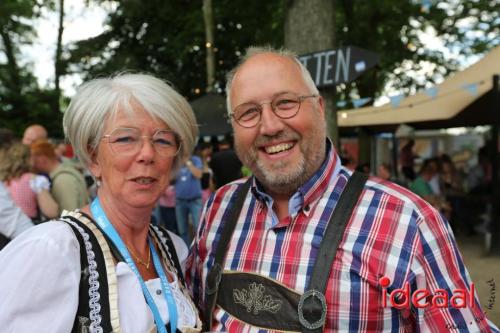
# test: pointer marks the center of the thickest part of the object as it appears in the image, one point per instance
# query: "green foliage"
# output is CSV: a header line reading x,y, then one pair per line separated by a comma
x,y
393,28
167,38
21,100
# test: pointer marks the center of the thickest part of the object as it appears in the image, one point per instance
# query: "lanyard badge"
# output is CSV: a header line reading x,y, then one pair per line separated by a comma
x,y
110,231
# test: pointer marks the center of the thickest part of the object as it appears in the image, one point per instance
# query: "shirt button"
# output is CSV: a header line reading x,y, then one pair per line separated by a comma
x,y
158,291
306,208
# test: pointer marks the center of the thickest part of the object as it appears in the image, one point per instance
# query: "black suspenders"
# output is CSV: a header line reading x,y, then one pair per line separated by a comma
x,y
311,306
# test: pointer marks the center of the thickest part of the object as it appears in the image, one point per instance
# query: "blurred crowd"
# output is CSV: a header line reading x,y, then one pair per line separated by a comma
x,y
461,192
41,177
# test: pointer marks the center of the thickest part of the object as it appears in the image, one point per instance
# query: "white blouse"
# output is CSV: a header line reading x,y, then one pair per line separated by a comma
x,y
40,277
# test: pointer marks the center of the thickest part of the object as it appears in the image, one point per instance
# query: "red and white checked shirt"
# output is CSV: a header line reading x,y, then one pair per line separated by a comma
x,y
392,233
22,194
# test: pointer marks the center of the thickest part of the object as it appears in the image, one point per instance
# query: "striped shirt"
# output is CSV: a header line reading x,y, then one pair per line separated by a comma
x,y
392,233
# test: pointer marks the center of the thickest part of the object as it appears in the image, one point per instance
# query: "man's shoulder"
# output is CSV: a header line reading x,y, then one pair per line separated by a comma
x,y
394,195
393,192
227,191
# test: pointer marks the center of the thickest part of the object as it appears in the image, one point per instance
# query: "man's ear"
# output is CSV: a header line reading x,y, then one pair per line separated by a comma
x,y
321,106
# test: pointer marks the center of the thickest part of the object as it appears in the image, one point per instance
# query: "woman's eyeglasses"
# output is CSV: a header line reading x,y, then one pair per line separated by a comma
x,y
129,141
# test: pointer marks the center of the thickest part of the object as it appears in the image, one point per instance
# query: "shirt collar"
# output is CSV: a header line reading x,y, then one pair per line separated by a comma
x,y
311,190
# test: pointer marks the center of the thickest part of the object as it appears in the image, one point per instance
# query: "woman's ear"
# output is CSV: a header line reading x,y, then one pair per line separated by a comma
x,y
94,165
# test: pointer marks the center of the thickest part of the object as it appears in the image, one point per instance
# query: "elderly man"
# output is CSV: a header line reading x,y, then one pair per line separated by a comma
x,y
34,133
306,245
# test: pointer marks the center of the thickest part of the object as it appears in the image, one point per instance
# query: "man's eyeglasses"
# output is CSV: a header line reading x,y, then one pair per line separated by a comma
x,y
129,141
284,105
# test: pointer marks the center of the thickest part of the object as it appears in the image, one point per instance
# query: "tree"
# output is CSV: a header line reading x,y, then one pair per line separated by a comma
x,y
316,33
59,67
209,38
167,38
394,28
21,100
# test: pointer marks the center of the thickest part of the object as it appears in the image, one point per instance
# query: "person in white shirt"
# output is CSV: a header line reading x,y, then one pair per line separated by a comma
x,y
12,219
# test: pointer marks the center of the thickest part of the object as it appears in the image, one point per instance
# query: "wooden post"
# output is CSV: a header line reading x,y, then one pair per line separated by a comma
x,y
495,200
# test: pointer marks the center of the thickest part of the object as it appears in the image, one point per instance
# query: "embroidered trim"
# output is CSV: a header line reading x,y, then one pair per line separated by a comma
x,y
160,238
109,263
93,275
254,298
159,234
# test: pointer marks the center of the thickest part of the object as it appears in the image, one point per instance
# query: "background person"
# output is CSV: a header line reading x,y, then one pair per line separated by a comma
x,y
12,219
225,164
69,188
34,133
166,207
407,160
188,197
204,151
271,240
128,131
29,191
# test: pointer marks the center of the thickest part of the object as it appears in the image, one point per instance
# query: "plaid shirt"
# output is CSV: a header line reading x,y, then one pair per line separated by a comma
x,y
392,233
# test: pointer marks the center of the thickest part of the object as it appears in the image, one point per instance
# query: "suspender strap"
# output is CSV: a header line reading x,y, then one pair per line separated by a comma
x,y
313,303
215,274
90,308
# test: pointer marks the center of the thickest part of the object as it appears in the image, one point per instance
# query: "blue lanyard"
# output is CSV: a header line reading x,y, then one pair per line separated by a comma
x,y
111,232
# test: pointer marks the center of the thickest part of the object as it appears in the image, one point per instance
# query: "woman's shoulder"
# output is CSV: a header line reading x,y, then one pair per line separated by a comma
x,y
50,236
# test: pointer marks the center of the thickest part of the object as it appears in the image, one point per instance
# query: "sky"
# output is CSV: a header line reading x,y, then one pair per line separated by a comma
x,y
81,22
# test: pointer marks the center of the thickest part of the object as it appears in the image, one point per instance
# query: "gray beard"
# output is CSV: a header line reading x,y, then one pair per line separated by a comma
x,y
276,178
281,182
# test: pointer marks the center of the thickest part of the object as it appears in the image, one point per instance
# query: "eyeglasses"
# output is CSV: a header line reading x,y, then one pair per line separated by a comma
x,y
284,105
129,141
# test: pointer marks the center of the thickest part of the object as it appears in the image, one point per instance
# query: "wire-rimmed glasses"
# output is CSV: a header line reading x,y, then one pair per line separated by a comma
x,y
129,141
285,106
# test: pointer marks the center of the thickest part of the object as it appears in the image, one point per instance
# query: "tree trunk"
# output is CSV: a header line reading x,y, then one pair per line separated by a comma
x,y
310,27
58,61
209,38
14,83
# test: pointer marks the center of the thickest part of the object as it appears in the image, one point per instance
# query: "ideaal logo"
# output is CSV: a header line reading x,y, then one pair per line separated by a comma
x,y
400,298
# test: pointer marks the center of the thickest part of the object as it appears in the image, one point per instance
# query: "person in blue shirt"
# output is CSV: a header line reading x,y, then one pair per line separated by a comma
x,y
188,196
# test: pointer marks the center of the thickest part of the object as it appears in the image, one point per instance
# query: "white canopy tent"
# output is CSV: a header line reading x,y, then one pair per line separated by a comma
x,y
451,99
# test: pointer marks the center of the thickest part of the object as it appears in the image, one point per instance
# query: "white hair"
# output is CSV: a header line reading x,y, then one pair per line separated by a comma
x,y
100,99
256,50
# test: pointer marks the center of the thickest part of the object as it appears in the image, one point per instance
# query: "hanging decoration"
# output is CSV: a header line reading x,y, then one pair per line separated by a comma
x,y
395,100
360,101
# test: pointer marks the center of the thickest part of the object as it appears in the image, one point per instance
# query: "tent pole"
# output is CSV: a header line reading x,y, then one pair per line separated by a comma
x,y
395,151
495,211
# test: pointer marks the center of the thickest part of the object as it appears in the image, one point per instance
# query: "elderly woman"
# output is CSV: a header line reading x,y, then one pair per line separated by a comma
x,y
104,267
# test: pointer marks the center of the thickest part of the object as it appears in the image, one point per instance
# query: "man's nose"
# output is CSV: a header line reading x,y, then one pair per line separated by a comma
x,y
270,123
